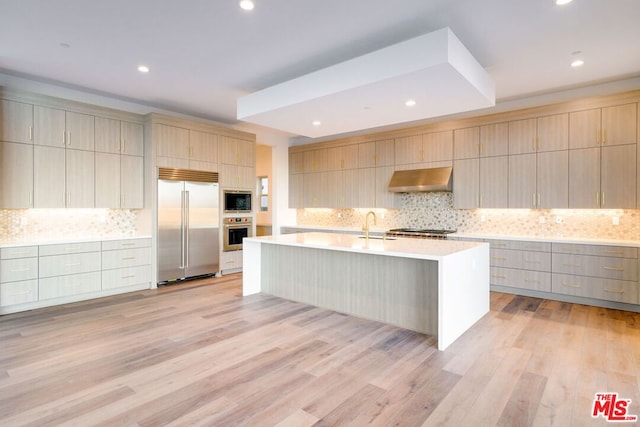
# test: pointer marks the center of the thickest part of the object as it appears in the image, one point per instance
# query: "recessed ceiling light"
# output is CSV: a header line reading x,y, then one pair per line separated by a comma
x,y
562,2
247,4
143,69
577,63
410,102
316,122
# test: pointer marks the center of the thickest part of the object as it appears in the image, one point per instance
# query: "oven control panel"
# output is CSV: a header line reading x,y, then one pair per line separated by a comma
x,y
237,220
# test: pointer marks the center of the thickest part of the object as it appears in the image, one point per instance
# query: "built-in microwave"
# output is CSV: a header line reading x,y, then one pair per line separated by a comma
x,y
237,201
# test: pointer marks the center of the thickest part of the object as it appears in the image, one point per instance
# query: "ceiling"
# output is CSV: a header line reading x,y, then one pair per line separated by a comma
x,y
204,54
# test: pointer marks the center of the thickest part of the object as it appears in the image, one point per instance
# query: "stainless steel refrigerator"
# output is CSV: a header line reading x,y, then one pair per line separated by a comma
x,y
188,225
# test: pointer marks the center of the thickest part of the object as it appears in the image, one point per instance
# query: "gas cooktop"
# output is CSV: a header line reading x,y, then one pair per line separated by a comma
x,y
419,233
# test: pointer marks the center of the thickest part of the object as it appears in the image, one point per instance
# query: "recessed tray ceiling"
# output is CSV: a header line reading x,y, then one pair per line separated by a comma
x,y
369,91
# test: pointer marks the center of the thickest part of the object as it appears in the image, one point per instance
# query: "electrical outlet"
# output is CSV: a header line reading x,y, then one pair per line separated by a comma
x,y
615,220
339,215
559,220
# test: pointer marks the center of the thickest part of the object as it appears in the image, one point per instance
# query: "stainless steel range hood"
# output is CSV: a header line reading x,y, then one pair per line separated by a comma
x,y
433,179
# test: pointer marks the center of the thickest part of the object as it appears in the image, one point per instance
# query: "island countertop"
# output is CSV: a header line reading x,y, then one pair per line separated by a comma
x,y
426,249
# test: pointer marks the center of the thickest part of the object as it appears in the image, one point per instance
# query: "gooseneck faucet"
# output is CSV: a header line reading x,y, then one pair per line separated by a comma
x,y
365,227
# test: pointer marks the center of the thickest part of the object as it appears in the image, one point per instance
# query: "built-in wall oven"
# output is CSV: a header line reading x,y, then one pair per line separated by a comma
x,y
234,230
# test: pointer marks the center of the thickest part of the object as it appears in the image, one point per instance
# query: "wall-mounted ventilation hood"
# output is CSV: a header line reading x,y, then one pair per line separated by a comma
x,y
433,179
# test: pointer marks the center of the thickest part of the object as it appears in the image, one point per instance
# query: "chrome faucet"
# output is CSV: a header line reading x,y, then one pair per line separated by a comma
x,y
365,227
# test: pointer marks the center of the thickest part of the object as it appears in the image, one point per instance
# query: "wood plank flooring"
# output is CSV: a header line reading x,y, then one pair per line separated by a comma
x,y
200,354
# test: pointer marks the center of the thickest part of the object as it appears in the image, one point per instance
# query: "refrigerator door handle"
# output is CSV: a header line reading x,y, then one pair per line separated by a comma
x,y
186,232
182,231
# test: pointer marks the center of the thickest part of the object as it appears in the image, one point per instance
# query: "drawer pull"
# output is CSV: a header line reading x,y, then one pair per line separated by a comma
x,y
20,270
128,258
533,261
531,281
571,285
611,251
499,244
127,244
613,291
72,285
499,258
19,252
614,268
128,277
570,264
75,264
13,294
498,276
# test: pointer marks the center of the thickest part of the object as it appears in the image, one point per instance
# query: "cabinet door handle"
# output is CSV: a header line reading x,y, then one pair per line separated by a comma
x,y
533,261
614,268
603,203
75,264
597,198
498,276
604,136
570,264
30,133
531,281
571,285
612,291
499,258
128,258
69,139
20,270
128,277
64,138
611,251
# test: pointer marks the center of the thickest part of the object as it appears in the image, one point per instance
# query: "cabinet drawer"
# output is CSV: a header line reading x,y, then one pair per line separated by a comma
x,y
591,287
526,260
600,250
18,292
17,269
19,252
520,245
62,286
69,248
125,258
111,245
229,260
595,266
523,279
123,277
58,265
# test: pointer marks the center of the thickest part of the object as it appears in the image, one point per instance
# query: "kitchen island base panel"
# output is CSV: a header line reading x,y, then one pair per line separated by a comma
x,y
439,295
396,291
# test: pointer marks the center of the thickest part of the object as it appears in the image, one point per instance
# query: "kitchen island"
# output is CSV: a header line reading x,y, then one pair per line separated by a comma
x,y
437,287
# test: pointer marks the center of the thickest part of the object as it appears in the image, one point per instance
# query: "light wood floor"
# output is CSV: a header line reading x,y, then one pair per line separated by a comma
x,y
200,354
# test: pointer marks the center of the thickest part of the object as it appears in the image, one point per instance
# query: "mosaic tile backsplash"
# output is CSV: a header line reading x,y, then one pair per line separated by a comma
x,y
435,210
33,225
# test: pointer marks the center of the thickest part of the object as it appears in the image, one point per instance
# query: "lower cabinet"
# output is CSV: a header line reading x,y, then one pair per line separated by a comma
x,y
519,264
230,262
598,272
39,276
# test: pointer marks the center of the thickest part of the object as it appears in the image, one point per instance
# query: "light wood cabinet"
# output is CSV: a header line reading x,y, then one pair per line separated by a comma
x,y
18,275
409,149
603,177
438,146
80,178
494,182
234,151
494,140
466,143
341,158
296,163
548,133
237,177
49,189
615,125
538,180
16,175
481,183
466,189
119,181
521,264
119,137
59,128
16,122
171,141
385,198
367,188
377,153
315,160
203,146
296,191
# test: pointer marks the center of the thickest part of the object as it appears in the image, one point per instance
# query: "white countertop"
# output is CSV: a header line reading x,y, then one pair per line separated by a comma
x,y
49,241
552,239
406,248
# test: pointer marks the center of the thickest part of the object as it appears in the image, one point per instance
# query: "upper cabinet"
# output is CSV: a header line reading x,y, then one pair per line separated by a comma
x,y
118,137
344,157
235,151
616,125
58,128
424,148
494,140
548,133
16,122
